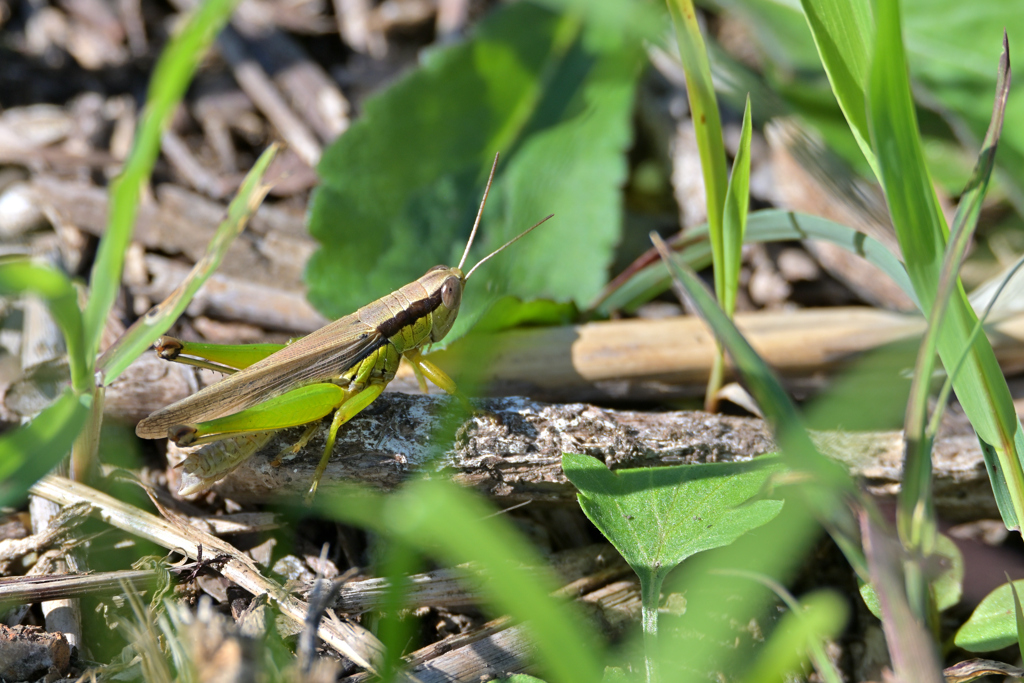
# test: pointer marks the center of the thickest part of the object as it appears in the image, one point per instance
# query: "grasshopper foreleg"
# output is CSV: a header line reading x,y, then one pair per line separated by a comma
x,y
423,368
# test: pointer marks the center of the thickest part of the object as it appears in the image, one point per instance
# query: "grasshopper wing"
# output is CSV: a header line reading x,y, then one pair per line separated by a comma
x,y
318,357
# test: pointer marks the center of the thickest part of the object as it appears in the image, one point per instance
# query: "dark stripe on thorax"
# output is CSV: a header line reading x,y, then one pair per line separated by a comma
x,y
410,314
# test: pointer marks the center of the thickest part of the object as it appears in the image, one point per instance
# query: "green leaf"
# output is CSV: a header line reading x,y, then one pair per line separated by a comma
x,y
29,452
451,524
1018,614
799,453
159,319
18,276
171,77
842,31
401,187
947,586
921,230
656,517
993,624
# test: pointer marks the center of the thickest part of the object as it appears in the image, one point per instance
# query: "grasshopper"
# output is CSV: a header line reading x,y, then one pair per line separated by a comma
x,y
341,368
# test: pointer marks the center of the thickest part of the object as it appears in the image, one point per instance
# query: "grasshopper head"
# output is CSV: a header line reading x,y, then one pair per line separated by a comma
x,y
447,282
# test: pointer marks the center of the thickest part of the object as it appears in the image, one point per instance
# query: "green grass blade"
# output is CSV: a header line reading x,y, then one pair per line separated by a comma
x,y
798,451
737,203
450,524
916,512
29,452
921,230
707,124
911,646
171,77
815,645
947,387
648,277
19,276
842,31
159,319
821,616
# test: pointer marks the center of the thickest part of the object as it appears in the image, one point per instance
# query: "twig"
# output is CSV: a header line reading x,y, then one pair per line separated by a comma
x,y
349,639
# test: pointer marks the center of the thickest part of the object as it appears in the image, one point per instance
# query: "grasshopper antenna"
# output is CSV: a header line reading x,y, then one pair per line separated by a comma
x,y
480,213
512,241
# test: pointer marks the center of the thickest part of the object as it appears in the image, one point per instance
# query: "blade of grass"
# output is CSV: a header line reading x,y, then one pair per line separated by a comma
x,y
159,319
706,121
29,452
910,644
737,202
18,276
647,277
1018,614
916,512
824,666
922,233
173,73
707,126
842,32
821,616
947,386
451,524
832,483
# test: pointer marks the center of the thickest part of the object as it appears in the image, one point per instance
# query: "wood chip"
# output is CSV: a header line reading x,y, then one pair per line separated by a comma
x,y
29,652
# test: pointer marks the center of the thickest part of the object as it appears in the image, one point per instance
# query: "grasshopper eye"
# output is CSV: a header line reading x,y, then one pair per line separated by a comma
x,y
451,293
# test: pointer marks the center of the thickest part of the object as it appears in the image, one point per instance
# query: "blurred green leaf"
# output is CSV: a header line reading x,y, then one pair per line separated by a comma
x,y
19,276
951,49
822,616
455,526
993,624
509,311
948,585
30,451
401,187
